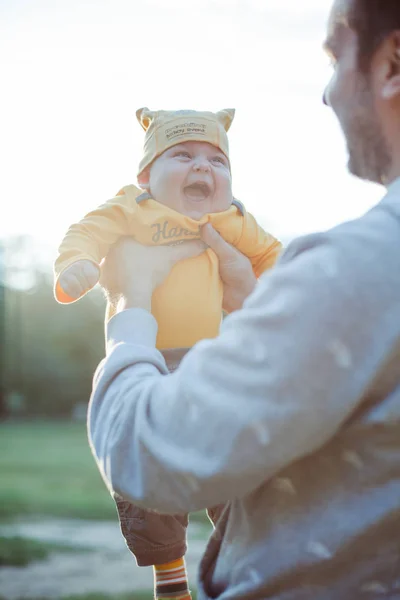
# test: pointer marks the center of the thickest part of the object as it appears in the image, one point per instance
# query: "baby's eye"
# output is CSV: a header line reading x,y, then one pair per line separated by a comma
x,y
182,153
218,159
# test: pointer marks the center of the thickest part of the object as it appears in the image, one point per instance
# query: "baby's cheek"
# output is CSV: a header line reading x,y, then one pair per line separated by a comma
x,y
165,190
225,196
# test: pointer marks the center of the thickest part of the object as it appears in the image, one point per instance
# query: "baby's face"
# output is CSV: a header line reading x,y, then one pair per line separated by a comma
x,y
192,178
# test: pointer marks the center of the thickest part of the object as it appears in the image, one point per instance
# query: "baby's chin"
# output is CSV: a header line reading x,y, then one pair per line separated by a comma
x,y
197,210
196,215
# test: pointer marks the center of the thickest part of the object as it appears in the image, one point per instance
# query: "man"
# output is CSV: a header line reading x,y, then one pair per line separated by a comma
x,y
291,417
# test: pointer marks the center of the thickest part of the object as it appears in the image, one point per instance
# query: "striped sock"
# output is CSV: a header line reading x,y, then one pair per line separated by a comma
x,y
171,581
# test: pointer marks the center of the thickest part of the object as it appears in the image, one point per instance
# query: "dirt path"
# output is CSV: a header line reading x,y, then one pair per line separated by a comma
x,y
108,568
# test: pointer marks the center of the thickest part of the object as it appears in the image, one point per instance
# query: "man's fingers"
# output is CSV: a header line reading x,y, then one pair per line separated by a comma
x,y
129,261
124,247
222,249
188,249
124,250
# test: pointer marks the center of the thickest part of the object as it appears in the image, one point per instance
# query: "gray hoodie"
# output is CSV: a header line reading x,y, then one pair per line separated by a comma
x,y
291,417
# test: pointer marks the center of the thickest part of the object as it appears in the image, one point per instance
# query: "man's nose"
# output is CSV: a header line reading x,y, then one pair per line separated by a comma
x,y
325,97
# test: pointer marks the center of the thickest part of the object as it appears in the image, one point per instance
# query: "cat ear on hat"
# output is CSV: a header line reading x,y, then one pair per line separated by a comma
x,y
225,117
145,116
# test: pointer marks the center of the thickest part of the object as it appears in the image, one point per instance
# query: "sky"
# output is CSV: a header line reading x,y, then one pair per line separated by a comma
x,y
75,71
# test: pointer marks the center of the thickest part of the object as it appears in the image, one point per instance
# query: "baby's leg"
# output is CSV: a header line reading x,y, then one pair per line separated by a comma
x,y
159,541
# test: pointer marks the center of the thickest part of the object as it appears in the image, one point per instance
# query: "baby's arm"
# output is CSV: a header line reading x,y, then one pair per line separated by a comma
x,y
76,280
77,268
259,246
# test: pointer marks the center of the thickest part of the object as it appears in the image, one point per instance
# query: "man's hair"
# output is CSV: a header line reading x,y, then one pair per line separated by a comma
x,y
373,21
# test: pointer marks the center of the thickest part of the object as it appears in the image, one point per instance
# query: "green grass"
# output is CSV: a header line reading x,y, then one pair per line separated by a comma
x,y
19,552
47,469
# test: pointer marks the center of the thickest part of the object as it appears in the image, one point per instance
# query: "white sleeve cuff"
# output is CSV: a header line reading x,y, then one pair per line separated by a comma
x,y
132,326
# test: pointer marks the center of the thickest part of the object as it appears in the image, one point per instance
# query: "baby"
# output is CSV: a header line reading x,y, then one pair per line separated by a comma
x,y
186,175
185,181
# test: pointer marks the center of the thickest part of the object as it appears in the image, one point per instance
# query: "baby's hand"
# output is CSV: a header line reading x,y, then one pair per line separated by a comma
x,y
79,278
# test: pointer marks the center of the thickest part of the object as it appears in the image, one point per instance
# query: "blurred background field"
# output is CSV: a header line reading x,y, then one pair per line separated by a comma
x,y
56,511
59,532
47,470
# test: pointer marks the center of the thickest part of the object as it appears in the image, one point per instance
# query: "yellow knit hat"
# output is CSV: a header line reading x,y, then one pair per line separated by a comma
x,y
165,129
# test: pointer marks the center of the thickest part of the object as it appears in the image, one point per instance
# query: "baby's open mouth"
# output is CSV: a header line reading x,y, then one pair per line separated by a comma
x,y
197,191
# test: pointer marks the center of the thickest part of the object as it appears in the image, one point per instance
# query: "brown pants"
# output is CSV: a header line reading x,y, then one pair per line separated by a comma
x,y
153,538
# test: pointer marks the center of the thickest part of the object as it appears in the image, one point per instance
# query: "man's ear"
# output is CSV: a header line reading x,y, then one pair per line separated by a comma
x,y
391,86
144,179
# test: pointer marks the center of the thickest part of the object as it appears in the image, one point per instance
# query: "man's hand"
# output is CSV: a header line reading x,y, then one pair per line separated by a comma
x,y
234,268
131,272
78,278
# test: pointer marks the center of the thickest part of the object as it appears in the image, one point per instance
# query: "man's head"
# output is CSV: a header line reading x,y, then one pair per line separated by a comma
x,y
186,160
364,44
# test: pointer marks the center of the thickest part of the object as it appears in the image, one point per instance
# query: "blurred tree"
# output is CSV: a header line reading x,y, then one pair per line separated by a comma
x,y
50,351
3,408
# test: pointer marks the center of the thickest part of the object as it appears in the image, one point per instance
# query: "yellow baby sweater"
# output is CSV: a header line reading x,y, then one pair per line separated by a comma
x,y
188,305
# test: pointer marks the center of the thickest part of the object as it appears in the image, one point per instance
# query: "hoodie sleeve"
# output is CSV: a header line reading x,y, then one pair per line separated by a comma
x,y
243,406
91,238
